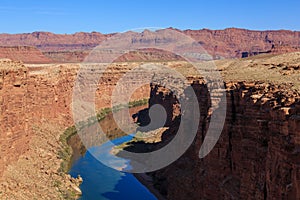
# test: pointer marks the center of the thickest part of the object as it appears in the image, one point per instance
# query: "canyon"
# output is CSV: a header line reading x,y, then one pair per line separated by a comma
x,y
257,154
36,104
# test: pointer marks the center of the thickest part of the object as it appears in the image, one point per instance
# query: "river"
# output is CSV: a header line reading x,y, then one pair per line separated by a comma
x,y
104,183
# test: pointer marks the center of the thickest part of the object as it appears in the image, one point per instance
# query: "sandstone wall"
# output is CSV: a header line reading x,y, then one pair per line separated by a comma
x,y
30,96
257,155
13,96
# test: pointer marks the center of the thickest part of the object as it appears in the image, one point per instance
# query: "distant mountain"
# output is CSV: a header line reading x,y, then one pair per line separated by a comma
x,y
227,43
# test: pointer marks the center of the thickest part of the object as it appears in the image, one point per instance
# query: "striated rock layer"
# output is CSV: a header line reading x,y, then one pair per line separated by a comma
x,y
233,42
35,94
227,43
47,41
25,54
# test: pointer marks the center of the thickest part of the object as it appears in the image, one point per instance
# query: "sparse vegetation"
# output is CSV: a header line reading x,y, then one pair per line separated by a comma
x,y
66,152
138,103
105,111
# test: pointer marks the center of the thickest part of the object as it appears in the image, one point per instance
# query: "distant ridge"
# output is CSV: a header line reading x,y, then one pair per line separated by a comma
x,y
227,43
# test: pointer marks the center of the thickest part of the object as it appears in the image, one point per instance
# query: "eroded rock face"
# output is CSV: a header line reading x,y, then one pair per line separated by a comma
x,y
13,77
257,155
31,96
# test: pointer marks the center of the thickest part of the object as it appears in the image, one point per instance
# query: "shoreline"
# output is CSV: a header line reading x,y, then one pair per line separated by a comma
x,y
144,179
69,148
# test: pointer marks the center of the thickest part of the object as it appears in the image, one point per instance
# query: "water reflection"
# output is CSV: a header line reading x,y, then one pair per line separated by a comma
x,y
101,182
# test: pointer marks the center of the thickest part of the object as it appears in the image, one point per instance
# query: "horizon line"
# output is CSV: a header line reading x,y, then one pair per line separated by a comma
x,y
147,28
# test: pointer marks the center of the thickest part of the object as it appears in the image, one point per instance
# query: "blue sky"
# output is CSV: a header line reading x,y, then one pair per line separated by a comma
x,y
69,16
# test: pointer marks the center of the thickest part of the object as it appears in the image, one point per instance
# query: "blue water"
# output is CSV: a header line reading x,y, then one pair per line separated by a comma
x,y
104,183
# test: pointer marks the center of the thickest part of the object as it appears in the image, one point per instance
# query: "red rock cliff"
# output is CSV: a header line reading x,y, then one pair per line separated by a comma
x,y
30,96
257,155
